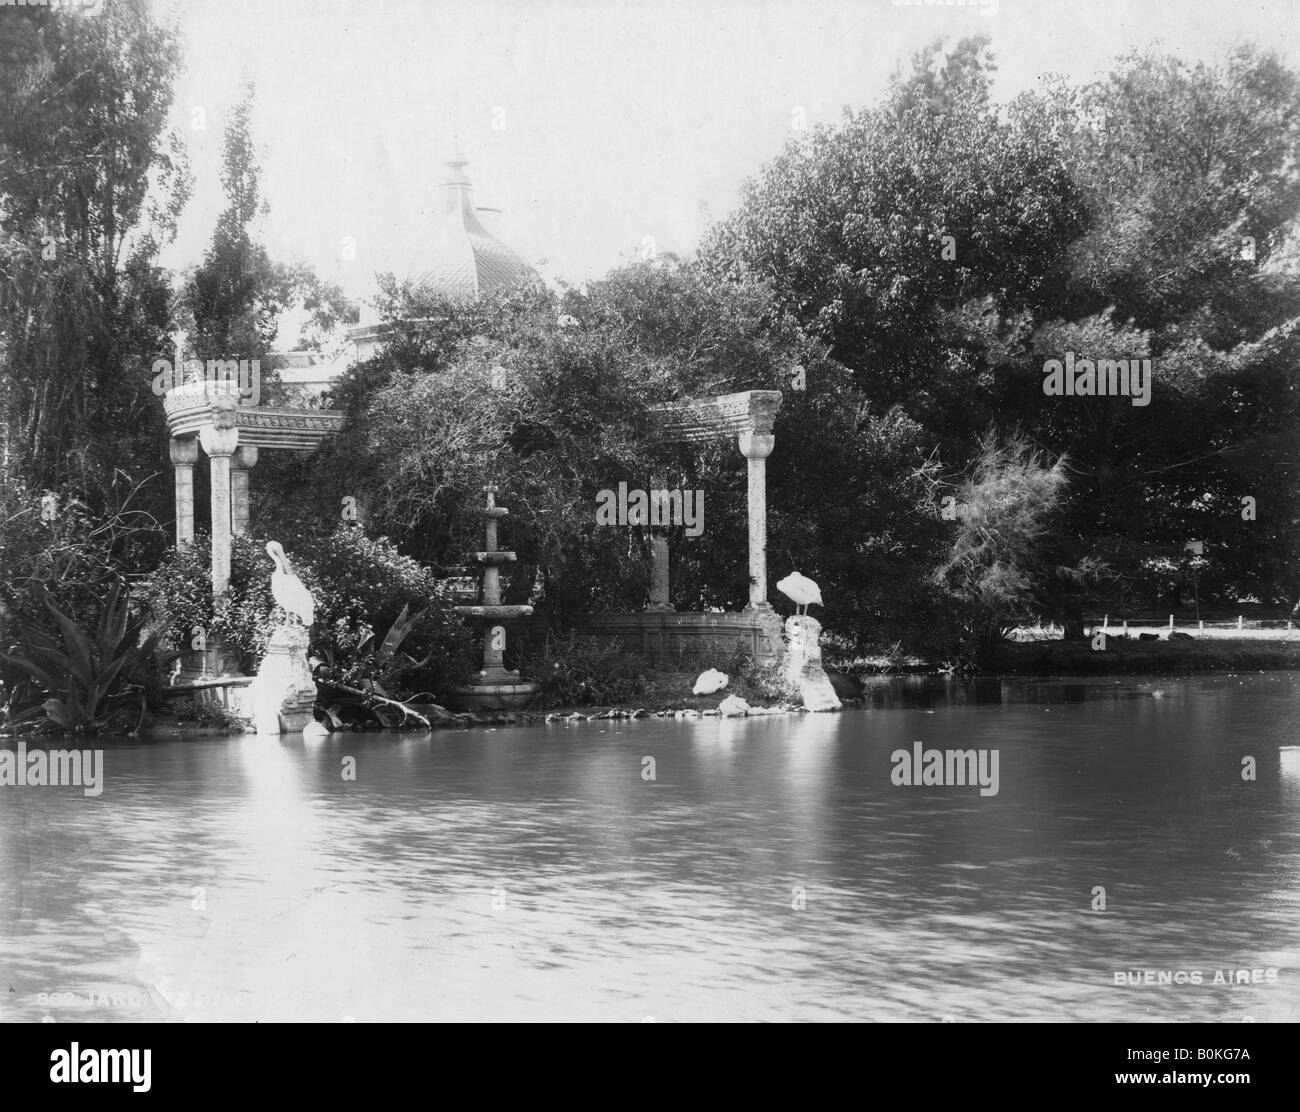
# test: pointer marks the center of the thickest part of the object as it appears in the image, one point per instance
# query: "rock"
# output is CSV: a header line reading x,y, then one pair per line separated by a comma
x,y
710,682
733,706
846,687
1179,635
819,695
1148,637
640,712
709,713
802,666
314,731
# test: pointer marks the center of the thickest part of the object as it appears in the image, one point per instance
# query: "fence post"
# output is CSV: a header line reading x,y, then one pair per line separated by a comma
x,y
1238,621
1200,627
1171,621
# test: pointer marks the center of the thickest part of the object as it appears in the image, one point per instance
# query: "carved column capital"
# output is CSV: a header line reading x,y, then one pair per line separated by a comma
x,y
184,451
755,445
218,441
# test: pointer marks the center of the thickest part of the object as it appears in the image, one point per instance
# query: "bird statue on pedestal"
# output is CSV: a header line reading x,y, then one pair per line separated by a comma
x,y
800,590
287,589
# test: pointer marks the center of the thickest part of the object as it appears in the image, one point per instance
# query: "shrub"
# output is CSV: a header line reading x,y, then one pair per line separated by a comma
x,y
52,547
365,584
767,681
585,671
360,585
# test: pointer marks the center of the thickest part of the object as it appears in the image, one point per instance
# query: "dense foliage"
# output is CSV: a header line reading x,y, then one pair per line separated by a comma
x,y
902,277
360,586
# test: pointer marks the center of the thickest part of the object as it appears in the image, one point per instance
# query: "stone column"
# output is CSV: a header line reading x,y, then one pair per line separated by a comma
x,y
756,447
184,453
660,590
244,458
219,440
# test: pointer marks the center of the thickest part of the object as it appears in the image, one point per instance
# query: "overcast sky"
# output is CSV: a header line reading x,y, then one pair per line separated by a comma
x,y
614,119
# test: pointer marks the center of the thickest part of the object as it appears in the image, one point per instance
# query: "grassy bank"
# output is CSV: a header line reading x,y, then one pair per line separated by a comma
x,y
1217,654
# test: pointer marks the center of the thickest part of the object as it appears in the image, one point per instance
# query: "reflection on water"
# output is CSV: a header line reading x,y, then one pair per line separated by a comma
x,y
769,870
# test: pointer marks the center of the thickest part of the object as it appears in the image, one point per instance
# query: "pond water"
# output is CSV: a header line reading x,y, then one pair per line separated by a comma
x,y
770,870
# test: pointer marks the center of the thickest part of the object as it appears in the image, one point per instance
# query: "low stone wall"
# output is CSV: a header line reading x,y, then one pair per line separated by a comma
x,y
690,638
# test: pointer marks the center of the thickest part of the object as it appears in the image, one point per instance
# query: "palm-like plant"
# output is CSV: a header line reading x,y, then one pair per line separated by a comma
x,y
373,665
86,678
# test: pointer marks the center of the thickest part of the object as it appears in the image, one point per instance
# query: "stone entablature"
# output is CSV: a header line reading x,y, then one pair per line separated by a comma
x,y
725,415
191,408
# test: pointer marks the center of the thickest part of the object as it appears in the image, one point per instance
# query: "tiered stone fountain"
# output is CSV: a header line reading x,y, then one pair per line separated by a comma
x,y
495,688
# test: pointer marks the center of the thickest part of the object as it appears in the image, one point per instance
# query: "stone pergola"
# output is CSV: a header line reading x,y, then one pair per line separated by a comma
x,y
209,415
663,632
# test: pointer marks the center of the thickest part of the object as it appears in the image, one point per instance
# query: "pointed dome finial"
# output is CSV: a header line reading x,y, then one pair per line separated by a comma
x,y
464,259
456,187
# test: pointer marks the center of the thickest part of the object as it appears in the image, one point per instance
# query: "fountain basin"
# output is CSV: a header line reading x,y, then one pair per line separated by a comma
x,y
492,696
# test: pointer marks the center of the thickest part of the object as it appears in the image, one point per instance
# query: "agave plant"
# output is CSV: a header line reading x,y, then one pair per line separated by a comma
x,y
85,678
372,665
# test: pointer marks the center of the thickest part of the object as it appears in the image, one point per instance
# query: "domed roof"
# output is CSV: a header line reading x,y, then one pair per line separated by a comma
x,y
464,259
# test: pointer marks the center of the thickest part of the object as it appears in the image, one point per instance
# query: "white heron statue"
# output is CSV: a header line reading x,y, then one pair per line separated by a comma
x,y
287,588
800,590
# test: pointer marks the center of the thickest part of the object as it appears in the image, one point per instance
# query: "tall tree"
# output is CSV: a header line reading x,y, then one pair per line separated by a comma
x,y
91,185
234,298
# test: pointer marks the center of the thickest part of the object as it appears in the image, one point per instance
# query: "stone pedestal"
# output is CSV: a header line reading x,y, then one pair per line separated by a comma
x,y
803,663
282,698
